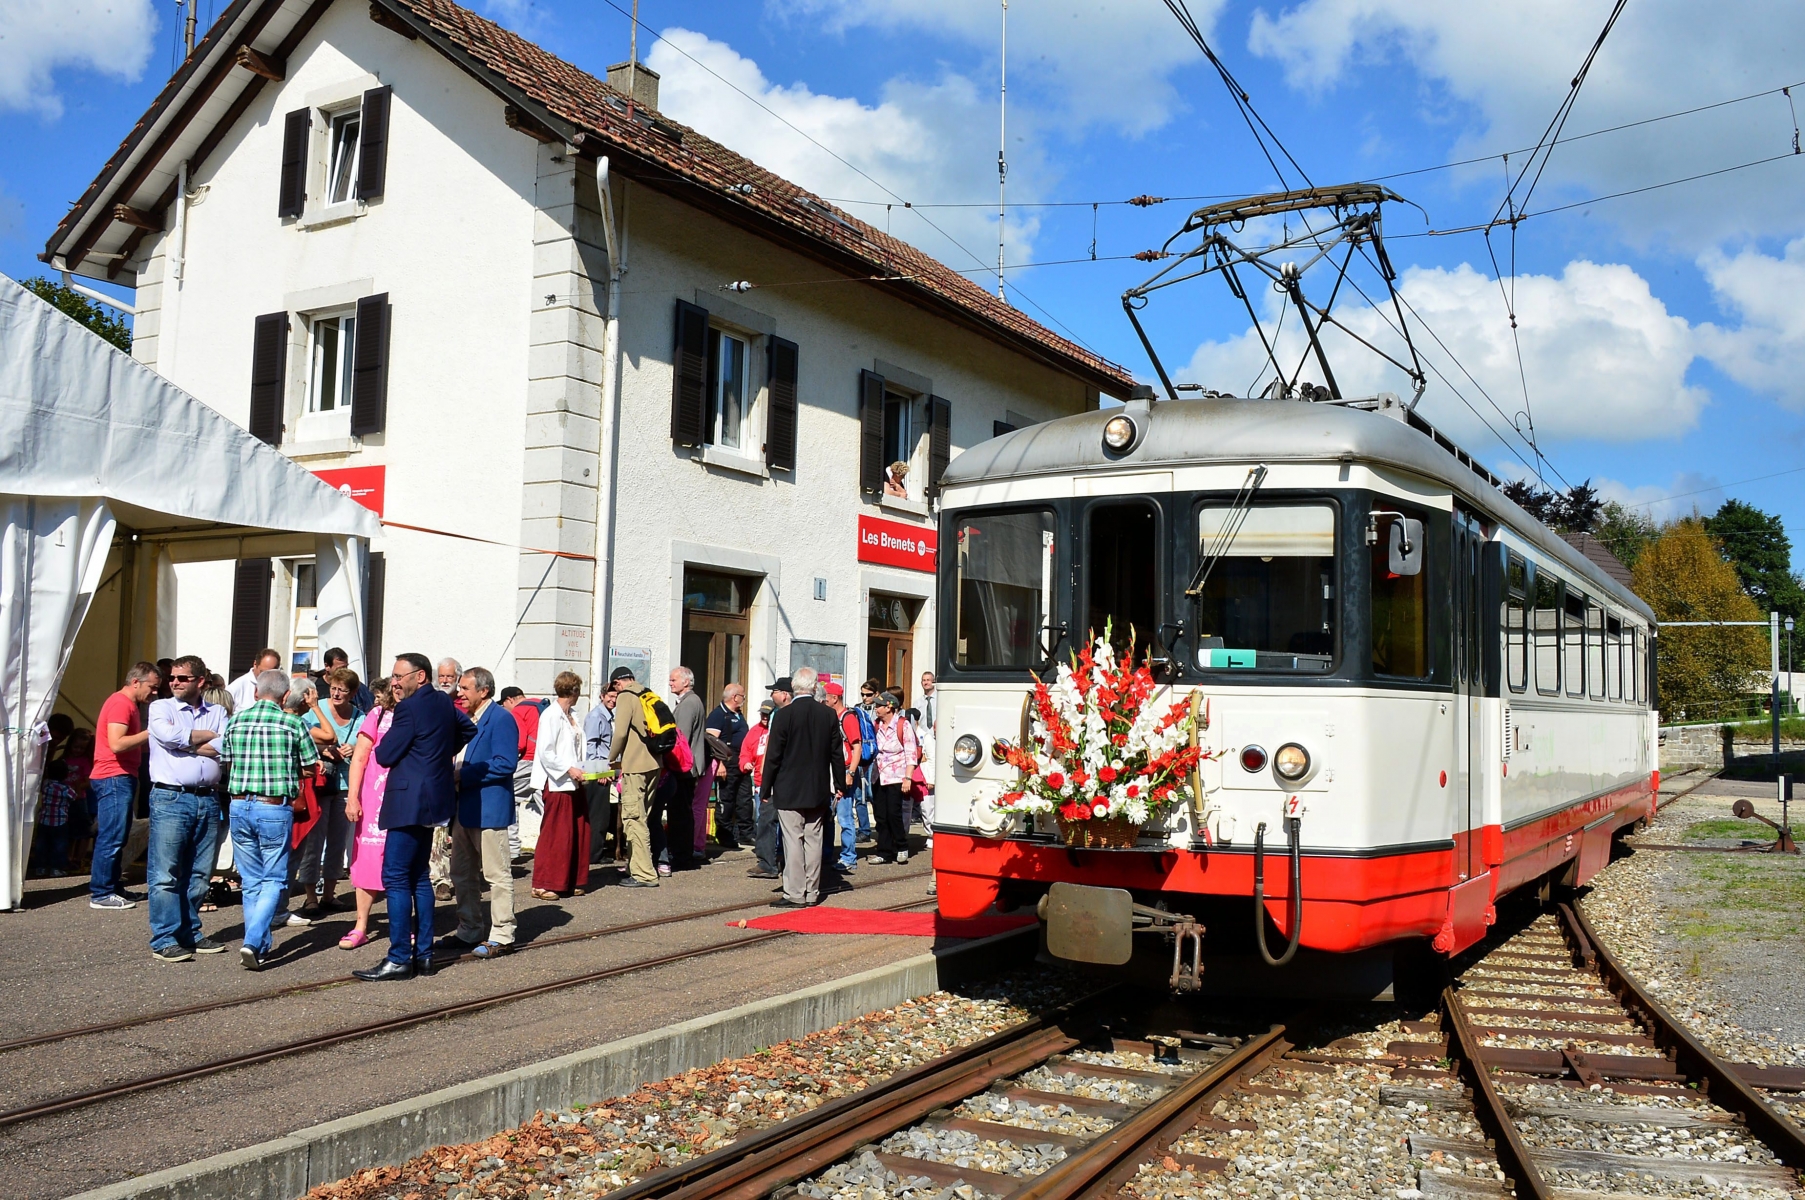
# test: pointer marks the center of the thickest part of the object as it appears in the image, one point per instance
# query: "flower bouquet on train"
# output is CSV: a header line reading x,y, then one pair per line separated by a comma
x,y
1109,749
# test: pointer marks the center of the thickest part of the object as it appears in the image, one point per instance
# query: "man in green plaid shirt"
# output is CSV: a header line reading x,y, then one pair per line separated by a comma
x,y
266,749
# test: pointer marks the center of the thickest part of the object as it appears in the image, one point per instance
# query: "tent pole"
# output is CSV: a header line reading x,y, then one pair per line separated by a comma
x,y
128,603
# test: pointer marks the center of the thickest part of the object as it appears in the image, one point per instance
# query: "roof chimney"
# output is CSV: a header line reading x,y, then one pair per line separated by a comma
x,y
643,86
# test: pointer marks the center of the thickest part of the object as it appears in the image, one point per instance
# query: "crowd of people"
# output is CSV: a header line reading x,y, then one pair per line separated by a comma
x,y
430,786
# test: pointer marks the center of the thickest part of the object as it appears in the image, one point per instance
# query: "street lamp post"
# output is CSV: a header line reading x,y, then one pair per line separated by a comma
x,y
1790,701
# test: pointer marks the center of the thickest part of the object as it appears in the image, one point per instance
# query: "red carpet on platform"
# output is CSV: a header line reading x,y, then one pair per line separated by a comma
x,y
823,919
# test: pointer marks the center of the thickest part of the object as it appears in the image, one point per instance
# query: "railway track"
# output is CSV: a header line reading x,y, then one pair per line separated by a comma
x,y
1065,1114
320,985
319,1041
1585,1083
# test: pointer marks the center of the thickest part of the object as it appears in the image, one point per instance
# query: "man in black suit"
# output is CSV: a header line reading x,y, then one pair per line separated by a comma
x,y
421,794
804,750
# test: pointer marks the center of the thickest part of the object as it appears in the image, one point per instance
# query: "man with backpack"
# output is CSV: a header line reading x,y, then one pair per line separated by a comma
x,y
861,744
634,756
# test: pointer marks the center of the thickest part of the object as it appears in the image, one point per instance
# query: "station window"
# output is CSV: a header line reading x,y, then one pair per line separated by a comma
x,y
1005,589
1573,643
729,395
1121,557
341,170
329,364
1267,600
1613,656
1400,607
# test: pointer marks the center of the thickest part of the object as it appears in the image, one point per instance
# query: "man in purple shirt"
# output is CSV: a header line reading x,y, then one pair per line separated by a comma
x,y
185,781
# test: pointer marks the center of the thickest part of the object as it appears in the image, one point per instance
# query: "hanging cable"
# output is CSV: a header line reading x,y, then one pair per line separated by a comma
x,y
1243,102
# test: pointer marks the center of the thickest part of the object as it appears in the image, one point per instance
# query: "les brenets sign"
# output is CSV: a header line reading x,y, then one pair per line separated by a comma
x,y
894,544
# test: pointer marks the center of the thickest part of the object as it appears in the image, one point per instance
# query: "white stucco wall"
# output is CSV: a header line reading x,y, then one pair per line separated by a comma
x,y
450,241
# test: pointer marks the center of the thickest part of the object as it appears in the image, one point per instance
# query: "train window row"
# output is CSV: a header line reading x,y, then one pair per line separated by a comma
x,y
1562,641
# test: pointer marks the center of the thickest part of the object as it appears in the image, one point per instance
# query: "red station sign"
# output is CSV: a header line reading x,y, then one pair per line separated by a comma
x,y
362,484
894,544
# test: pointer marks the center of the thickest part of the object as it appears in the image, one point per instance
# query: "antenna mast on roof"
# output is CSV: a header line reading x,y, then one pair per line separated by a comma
x,y
633,61
1002,146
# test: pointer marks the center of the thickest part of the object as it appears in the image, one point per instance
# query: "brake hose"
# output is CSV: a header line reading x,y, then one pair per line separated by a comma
x,y
1293,828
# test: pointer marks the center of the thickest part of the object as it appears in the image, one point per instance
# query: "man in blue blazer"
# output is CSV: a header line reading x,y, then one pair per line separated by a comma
x,y
425,735
479,833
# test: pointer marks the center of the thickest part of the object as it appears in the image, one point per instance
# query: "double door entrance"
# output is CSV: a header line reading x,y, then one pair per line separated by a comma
x,y
890,642
717,645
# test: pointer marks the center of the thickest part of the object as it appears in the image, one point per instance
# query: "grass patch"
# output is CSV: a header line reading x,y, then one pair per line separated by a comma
x,y
1725,897
1730,827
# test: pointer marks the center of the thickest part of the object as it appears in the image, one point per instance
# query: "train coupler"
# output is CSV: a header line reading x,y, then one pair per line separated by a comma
x,y
1187,969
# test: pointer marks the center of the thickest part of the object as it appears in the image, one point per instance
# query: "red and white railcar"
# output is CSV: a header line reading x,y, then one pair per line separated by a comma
x,y
1471,695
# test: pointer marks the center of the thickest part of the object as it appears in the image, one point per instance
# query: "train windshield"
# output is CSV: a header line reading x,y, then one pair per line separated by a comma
x,y
1269,601
1005,589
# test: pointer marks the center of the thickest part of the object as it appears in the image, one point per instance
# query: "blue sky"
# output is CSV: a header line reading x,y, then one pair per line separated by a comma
x,y
1662,334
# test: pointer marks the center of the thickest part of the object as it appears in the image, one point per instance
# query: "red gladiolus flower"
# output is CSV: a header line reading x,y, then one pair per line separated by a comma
x,y
1106,774
1056,780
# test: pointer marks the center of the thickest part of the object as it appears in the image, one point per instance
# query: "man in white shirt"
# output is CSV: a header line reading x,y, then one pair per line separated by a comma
x,y
930,703
185,779
244,688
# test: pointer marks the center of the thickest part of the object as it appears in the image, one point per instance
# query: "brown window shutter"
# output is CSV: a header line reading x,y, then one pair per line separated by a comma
x,y
375,577
940,442
297,134
250,613
370,366
269,374
871,432
780,421
373,144
689,376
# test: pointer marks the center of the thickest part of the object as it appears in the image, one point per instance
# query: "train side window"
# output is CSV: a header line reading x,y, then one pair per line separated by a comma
x,y
1635,650
1516,645
1613,656
1547,630
1573,642
1595,656
1516,624
1005,589
1121,555
1400,607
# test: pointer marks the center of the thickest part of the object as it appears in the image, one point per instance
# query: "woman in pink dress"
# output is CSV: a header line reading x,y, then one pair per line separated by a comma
x,y
363,806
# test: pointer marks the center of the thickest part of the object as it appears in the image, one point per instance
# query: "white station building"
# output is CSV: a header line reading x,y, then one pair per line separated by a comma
x,y
483,293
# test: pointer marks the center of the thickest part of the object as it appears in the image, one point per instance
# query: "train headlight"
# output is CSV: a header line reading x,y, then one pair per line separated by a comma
x,y
1291,762
968,750
1118,433
1253,758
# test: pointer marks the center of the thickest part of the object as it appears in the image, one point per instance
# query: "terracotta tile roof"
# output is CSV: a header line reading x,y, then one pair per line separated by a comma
x,y
1599,553
577,97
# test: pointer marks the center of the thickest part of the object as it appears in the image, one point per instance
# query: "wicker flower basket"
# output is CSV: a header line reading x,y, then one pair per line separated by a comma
x,y
1112,833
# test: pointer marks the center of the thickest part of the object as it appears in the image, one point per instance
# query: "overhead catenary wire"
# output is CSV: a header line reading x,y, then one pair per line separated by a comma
x,y
812,140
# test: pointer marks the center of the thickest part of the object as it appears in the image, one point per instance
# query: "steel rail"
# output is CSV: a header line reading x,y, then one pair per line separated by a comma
x,y
320,985
1488,1105
979,1054
46,1108
1723,1086
1105,1165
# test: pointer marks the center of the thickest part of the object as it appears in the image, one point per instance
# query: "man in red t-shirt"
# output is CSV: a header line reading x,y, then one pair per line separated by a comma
x,y
846,805
118,752
526,718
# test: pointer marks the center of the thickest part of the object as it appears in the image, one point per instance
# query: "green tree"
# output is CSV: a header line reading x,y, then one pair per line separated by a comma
x,y
72,303
1624,531
1756,545
1683,576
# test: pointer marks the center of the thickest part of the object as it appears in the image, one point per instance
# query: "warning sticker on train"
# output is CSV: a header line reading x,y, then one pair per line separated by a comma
x,y
894,544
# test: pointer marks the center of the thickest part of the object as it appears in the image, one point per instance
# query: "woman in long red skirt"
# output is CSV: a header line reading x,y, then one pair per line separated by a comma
x,y
561,860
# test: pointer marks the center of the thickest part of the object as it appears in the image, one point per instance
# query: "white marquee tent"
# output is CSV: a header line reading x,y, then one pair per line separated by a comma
x,y
109,473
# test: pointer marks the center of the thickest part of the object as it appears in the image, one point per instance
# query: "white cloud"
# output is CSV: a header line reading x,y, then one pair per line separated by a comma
x,y
1512,62
1603,357
37,38
925,142
1091,63
1767,351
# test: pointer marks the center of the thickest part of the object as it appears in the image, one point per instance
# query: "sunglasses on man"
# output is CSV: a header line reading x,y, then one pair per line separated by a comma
x,y
183,678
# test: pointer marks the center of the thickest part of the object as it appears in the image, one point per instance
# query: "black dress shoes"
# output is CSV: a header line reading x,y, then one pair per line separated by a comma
x,y
386,969
425,966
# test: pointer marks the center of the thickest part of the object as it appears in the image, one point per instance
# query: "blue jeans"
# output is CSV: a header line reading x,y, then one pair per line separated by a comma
x,y
183,827
767,839
862,804
408,882
112,821
846,809
260,836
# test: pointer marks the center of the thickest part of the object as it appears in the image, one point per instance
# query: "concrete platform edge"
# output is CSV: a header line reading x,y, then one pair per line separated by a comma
x,y
285,1168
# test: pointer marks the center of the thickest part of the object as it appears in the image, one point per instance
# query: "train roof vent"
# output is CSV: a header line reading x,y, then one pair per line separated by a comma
x,y
1441,439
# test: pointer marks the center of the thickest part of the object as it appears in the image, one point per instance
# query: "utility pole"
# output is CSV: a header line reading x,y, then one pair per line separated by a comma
x,y
188,27
633,61
1002,146
1773,625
